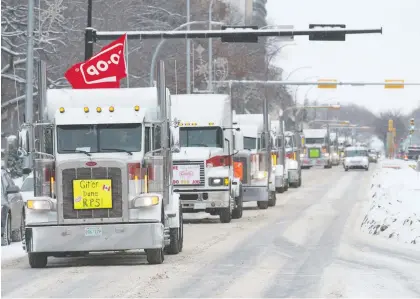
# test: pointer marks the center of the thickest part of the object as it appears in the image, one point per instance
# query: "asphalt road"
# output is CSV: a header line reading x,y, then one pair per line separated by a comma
x,y
309,245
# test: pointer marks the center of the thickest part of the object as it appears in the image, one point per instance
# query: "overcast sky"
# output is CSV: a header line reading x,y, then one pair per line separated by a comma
x,y
393,55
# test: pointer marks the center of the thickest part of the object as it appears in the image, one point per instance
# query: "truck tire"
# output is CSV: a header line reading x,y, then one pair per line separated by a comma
x,y
176,236
262,205
300,181
155,256
238,211
6,239
272,200
280,190
37,260
17,235
225,215
286,185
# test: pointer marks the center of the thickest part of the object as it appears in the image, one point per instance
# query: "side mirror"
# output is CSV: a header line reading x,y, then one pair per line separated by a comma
x,y
12,190
26,170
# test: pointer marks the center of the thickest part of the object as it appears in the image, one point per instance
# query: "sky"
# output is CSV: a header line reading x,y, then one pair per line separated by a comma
x,y
393,55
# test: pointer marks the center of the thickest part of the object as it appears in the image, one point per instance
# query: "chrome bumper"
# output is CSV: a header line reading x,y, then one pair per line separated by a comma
x,y
202,200
314,162
254,193
112,237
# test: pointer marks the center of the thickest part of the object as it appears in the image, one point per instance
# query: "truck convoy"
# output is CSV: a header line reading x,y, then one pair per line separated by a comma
x,y
105,176
203,169
252,159
317,148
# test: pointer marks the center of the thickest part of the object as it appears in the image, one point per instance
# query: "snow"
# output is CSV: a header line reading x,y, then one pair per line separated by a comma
x,y
12,252
395,202
18,181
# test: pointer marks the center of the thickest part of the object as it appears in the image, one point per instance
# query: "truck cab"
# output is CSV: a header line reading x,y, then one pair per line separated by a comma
x,y
293,146
317,148
100,176
203,169
254,159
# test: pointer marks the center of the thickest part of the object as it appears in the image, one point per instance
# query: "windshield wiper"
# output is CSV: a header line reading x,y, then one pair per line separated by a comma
x,y
118,150
76,151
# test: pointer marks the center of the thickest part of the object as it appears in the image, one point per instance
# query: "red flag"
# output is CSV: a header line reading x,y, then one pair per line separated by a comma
x,y
104,70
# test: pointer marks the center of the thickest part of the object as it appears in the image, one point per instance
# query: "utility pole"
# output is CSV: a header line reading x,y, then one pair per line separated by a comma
x,y
29,104
89,33
188,52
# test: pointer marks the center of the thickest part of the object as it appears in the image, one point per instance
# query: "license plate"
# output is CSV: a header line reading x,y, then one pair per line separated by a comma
x,y
93,231
200,206
92,194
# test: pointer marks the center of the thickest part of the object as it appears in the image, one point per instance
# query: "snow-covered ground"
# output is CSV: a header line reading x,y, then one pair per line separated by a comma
x,y
394,210
12,252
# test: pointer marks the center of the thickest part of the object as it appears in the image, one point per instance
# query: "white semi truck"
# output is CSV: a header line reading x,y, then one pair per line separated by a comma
x,y
104,183
281,169
317,148
253,161
203,169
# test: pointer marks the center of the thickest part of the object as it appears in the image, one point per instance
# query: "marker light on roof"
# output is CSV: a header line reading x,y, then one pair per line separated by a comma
x,y
61,109
136,108
111,109
98,109
86,109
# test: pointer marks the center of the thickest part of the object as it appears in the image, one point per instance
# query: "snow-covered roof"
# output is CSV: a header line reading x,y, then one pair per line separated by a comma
x,y
356,148
145,97
202,108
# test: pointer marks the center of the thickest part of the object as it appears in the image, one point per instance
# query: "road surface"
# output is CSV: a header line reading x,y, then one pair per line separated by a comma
x,y
309,245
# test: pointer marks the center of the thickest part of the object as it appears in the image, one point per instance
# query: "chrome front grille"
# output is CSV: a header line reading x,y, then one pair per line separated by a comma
x,y
70,174
202,173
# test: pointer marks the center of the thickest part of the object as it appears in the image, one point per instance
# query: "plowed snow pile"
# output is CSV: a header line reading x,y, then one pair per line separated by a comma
x,y
395,202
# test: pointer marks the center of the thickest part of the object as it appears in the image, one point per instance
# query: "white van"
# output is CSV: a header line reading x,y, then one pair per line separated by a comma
x,y
356,157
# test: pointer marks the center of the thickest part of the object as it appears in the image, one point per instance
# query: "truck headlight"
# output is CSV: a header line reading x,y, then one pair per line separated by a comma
x,y
219,181
145,200
40,204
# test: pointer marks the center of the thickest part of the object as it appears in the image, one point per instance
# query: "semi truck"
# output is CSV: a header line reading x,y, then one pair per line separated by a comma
x,y
293,147
103,179
316,148
203,169
281,173
253,159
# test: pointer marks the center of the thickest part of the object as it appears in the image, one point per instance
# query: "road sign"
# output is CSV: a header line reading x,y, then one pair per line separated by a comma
x,y
330,36
324,83
395,85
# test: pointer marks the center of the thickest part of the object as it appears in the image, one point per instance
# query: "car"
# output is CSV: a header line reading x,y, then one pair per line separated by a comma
x,y
27,188
373,156
356,157
12,211
335,159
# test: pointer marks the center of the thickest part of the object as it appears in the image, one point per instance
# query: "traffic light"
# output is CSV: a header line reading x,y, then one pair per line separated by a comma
x,y
412,126
390,125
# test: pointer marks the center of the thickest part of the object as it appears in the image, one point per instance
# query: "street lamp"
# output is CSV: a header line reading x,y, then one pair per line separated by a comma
x,y
155,54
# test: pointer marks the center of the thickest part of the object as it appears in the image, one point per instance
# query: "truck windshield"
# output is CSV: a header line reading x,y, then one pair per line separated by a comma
x,y
99,138
356,153
314,140
250,143
201,137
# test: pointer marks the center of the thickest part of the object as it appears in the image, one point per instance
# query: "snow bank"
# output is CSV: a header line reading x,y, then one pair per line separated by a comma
x,y
395,202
